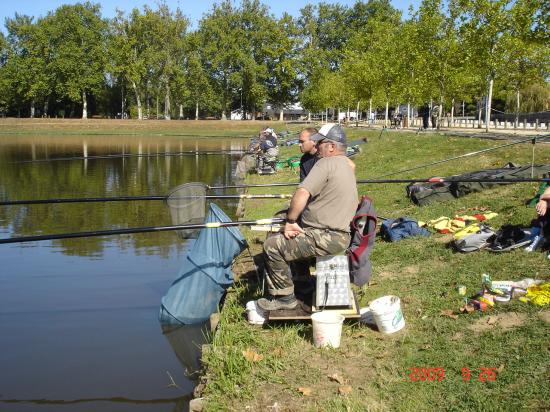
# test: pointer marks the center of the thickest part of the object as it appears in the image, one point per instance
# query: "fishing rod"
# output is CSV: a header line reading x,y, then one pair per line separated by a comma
x,y
211,225
138,198
531,139
392,181
268,196
118,156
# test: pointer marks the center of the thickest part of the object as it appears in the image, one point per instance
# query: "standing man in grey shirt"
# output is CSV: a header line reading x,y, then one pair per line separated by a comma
x,y
325,202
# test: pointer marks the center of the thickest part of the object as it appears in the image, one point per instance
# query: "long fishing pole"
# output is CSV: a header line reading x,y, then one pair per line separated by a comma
x,y
211,225
390,181
531,139
138,198
120,156
267,196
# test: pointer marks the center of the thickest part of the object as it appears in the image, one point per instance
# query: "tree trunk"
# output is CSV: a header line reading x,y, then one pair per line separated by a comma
x,y
408,114
479,116
308,117
387,112
197,110
32,109
167,103
516,121
224,117
488,105
84,106
253,117
370,110
181,111
440,113
157,106
281,115
45,114
122,103
357,115
138,101
452,112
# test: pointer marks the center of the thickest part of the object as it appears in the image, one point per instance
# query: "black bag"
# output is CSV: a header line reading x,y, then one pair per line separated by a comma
x,y
422,193
510,171
363,229
510,237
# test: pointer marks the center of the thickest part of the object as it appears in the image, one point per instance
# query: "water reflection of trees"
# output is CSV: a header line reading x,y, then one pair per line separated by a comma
x,y
96,178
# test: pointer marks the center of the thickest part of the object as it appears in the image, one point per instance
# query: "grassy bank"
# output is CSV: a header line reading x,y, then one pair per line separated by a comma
x,y
206,128
276,367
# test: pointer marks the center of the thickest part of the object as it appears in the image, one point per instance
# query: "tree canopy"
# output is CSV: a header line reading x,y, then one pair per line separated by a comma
x,y
147,63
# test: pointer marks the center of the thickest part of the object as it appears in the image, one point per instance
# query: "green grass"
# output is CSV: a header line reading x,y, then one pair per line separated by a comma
x,y
424,273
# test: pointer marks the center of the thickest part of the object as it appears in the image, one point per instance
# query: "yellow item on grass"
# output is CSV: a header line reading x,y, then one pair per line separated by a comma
x,y
445,224
539,294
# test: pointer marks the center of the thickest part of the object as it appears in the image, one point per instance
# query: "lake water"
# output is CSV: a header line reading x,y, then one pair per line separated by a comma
x,y
79,326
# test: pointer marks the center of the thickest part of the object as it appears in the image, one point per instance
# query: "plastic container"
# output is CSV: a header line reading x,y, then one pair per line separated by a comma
x,y
503,298
327,329
388,314
254,314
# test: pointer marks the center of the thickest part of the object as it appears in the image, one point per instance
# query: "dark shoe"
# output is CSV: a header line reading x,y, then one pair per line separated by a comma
x,y
277,302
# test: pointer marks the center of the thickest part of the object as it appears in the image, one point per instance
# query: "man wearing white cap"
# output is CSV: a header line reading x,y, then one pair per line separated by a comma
x,y
318,219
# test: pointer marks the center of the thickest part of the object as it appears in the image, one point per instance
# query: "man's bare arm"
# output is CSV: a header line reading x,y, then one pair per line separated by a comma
x,y
297,205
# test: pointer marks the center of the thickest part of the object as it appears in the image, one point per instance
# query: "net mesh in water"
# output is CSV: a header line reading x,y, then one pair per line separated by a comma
x,y
187,204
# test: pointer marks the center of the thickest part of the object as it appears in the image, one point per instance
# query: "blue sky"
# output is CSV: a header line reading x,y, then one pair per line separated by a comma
x,y
194,9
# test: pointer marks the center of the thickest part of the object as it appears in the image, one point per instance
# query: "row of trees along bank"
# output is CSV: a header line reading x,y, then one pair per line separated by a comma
x,y
75,62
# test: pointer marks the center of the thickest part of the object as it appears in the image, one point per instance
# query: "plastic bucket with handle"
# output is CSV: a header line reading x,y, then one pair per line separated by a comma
x,y
387,314
327,329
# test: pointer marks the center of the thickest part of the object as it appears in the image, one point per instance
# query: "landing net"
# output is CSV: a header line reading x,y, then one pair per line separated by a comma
x,y
187,204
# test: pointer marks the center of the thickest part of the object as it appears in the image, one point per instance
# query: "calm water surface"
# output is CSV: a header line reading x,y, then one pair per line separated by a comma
x,y
78,317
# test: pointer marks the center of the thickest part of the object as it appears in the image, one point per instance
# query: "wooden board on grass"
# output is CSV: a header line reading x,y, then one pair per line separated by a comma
x,y
304,310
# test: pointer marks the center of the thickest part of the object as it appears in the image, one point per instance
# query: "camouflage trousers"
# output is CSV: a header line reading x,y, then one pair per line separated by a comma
x,y
279,252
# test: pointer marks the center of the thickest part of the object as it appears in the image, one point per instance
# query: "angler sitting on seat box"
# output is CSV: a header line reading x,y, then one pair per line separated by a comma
x,y
325,203
268,150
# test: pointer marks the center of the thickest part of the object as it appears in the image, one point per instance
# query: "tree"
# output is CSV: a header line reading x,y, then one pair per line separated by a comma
x,y
220,35
484,24
77,34
128,53
526,60
197,83
28,57
283,81
360,64
439,50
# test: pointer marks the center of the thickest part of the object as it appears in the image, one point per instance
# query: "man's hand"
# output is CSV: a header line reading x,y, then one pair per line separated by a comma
x,y
292,230
541,207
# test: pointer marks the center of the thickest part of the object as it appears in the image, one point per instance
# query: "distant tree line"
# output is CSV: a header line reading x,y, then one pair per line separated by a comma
x,y
148,63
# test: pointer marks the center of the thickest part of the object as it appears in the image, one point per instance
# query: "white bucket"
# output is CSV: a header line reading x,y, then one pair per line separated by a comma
x,y
387,314
327,329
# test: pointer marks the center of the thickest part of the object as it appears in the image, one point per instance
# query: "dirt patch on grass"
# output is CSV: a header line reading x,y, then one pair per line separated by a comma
x,y
504,321
389,272
545,316
411,270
